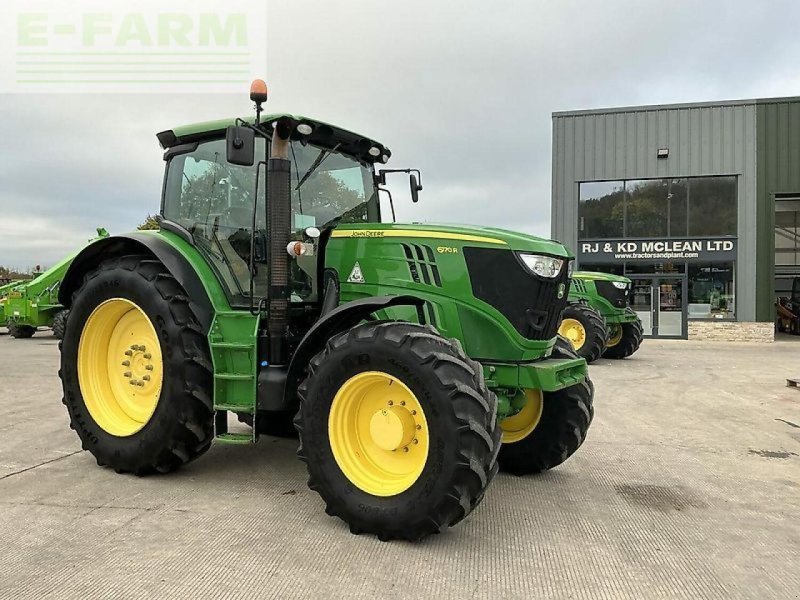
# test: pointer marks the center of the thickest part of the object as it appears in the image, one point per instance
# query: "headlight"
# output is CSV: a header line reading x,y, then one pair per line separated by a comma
x,y
620,285
543,266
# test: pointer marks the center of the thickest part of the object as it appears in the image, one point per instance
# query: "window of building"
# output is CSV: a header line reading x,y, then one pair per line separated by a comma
x,y
601,209
712,206
658,208
787,242
787,233
712,291
646,268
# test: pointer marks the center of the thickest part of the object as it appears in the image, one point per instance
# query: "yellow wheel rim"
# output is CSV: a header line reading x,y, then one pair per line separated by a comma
x,y
120,367
616,336
520,425
574,332
378,433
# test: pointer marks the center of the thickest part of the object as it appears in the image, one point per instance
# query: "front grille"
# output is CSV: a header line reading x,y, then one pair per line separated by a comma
x,y
422,264
529,302
578,285
616,296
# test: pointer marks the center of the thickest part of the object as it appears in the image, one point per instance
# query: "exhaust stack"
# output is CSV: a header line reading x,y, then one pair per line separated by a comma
x,y
279,214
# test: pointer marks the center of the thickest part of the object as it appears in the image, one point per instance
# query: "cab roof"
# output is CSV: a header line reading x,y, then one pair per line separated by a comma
x,y
324,135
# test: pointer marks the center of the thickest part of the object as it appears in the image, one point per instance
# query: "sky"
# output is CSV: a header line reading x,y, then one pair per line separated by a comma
x,y
462,90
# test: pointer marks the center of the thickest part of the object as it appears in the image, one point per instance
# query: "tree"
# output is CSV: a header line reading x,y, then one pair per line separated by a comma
x,y
149,224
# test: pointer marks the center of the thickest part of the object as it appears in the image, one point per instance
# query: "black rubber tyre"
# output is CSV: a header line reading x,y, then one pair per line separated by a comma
x,y
275,423
461,416
562,428
181,428
594,327
60,323
21,332
632,334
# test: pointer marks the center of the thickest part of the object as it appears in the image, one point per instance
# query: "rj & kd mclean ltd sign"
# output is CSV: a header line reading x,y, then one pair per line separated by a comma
x,y
687,249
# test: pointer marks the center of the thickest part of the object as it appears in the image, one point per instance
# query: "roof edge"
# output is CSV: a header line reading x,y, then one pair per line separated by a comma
x,y
674,106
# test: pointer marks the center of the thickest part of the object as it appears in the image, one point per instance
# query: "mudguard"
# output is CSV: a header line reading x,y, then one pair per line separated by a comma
x,y
140,243
336,321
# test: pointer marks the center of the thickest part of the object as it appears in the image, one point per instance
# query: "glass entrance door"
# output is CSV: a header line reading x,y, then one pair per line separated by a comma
x,y
670,308
642,302
660,303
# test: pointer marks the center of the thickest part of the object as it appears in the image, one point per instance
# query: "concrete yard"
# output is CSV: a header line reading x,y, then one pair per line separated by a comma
x,y
688,486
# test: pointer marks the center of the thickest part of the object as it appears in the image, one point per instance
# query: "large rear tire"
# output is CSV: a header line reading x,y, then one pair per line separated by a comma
x,y
585,329
559,425
136,369
397,430
626,342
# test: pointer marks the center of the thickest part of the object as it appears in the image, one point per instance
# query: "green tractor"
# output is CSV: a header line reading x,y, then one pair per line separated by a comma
x,y
25,306
273,291
598,321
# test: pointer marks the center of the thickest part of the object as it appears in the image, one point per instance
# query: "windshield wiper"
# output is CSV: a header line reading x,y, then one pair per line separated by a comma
x,y
323,154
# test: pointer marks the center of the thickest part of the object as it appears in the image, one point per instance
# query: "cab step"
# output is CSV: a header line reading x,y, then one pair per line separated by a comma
x,y
235,438
233,338
223,436
236,408
233,377
232,345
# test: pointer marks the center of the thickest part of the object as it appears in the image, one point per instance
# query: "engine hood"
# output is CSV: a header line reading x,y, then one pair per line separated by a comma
x,y
457,234
595,276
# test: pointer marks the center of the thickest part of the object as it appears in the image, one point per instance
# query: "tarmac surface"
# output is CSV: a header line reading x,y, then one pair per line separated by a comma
x,y
688,486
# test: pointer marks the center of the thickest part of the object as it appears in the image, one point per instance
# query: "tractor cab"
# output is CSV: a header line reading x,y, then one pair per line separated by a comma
x,y
223,205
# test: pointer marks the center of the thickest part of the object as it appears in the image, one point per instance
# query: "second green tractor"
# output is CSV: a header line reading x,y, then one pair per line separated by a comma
x,y
598,321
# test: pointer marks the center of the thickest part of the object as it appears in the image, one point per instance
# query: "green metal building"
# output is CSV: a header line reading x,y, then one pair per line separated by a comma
x,y
698,203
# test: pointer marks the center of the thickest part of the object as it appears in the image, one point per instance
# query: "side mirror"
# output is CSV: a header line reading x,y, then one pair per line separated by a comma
x,y
241,145
416,188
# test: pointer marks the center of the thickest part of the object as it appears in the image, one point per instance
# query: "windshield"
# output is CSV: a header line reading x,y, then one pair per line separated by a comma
x,y
328,187
214,200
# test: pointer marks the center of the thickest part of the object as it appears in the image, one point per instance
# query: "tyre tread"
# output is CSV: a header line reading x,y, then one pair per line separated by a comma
x,y
479,439
194,431
632,336
595,327
566,417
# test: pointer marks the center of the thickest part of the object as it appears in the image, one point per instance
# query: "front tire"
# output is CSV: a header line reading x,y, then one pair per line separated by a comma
x,y
60,324
397,430
136,369
562,420
627,342
585,329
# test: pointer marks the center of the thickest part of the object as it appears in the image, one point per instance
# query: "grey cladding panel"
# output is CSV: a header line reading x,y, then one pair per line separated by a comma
x,y
702,140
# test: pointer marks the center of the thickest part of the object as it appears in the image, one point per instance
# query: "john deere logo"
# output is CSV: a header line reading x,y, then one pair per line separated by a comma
x,y
561,289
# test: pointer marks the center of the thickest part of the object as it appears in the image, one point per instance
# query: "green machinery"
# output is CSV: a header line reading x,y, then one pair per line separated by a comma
x,y
274,291
598,320
27,305
787,308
